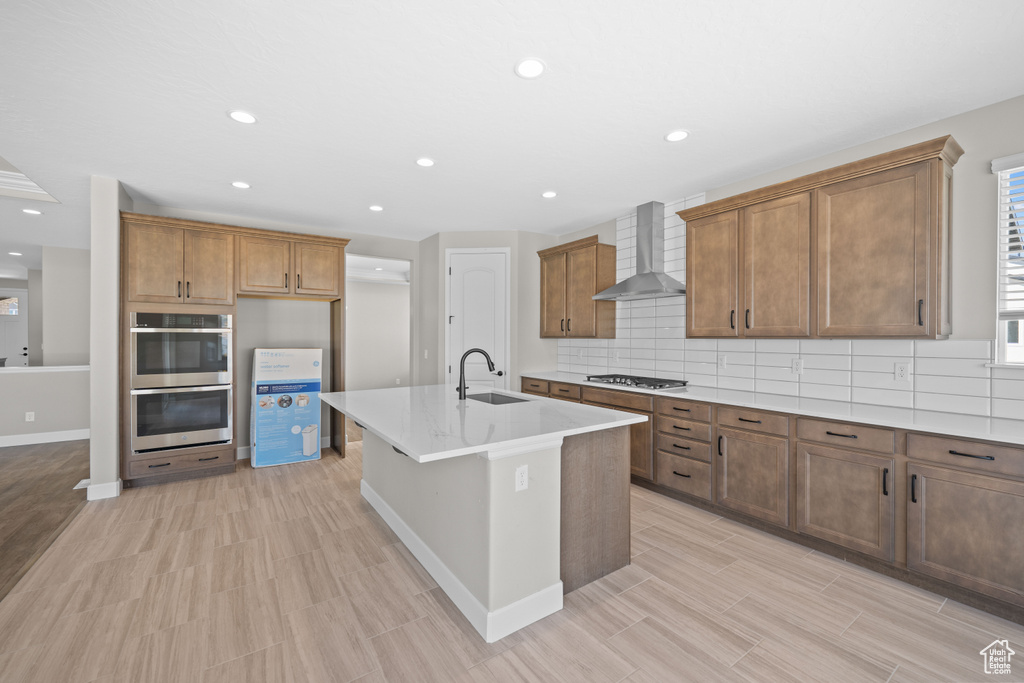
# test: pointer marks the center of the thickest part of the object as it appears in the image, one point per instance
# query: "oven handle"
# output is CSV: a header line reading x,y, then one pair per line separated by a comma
x,y
181,390
220,330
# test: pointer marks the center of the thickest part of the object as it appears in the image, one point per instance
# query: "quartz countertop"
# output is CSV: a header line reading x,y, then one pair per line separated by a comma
x,y
933,422
430,423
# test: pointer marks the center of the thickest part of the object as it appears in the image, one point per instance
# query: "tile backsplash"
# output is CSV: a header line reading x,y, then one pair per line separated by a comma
x,y
942,375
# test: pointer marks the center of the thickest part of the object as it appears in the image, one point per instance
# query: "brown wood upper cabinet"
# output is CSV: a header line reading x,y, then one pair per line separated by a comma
x,y
167,264
570,274
278,266
856,251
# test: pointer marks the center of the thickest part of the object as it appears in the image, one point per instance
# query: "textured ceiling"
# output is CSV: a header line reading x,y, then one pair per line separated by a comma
x,y
350,94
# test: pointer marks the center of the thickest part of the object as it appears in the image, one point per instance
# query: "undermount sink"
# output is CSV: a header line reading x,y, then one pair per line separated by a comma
x,y
496,399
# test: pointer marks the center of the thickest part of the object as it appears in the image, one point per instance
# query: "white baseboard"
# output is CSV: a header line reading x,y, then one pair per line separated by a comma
x,y
111,489
245,452
492,626
43,437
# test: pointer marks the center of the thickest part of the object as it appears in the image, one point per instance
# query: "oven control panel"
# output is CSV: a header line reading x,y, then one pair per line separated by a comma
x,y
180,321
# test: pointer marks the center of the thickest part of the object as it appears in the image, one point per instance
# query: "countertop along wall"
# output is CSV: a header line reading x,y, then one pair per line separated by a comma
x,y
945,375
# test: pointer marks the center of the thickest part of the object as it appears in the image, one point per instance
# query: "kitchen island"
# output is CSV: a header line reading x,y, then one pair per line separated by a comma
x,y
506,505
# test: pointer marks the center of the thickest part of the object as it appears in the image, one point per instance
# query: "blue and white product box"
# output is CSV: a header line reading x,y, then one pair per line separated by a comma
x,y
285,425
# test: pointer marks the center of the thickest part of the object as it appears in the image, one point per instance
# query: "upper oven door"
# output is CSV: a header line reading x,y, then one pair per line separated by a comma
x,y
162,357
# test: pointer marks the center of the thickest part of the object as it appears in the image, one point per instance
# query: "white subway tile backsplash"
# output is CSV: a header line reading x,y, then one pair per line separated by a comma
x,y
883,397
953,403
954,348
952,367
1008,388
832,393
883,347
948,376
966,386
841,346
1006,408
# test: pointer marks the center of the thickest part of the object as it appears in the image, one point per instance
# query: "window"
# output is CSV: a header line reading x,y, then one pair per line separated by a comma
x,y
9,305
1011,258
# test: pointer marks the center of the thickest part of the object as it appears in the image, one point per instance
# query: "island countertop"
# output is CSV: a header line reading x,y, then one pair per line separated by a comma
x,y
430,423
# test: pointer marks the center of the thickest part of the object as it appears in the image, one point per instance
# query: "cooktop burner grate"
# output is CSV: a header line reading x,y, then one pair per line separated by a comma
x,y
638,382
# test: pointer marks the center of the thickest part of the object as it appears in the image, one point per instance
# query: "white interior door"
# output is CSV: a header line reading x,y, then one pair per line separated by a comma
x,y
478,316
14,327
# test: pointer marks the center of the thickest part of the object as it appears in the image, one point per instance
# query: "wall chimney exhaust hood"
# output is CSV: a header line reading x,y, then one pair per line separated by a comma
x,y
650,281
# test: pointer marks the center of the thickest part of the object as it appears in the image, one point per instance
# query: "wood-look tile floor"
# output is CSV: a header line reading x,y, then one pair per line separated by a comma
x,y
37,497
286,574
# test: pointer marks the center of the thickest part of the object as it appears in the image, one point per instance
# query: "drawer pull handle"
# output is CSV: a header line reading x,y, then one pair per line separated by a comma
x,y
685,429
216,457
685,448
968,455
684,476
685,410
885,476
719,444
845,436
564,391
743,419
913,488
166,464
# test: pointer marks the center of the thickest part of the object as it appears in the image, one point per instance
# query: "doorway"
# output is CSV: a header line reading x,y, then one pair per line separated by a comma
x,y
477,315
13,328
377,326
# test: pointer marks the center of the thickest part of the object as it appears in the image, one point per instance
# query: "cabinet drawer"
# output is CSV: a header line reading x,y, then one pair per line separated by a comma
x,y
151,467
850,436
535,386
684,428
753,420
567,391
688,409
972,454
683,474
684,447
617,399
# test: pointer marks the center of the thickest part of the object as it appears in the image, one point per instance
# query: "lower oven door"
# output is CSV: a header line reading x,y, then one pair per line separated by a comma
x,y
183,416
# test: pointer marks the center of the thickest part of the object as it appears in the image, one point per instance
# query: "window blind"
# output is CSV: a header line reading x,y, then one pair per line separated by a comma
x,y
1011,244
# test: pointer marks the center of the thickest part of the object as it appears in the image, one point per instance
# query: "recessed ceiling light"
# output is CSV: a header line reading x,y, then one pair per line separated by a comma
x,y
529,68
32,211
425,162
677,135
14,253
374,268
242,116
240,185
375,207
549,195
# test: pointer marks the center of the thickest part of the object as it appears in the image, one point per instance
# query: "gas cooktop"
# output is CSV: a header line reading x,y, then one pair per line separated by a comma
x,y
638,382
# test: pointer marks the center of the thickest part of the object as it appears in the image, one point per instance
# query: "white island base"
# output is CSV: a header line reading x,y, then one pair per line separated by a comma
x,y
493,550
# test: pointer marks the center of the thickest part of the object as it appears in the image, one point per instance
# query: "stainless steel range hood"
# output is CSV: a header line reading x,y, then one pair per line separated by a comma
x,y
650,281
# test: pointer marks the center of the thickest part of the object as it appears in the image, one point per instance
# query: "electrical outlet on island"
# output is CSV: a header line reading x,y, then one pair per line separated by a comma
x,y
522,478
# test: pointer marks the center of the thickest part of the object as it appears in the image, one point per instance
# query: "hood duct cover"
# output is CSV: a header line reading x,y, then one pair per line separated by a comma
x,y
650,281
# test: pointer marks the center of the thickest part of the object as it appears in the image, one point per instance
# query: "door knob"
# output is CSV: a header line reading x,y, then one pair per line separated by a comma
x,y
24,354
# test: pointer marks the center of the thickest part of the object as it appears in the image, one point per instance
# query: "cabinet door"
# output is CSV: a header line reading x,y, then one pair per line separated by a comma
x,y
156,258
264,265
317,269
846,497
641,447
873,248
711,255
580,310
209,267
776,241
965,528
753,474
552,296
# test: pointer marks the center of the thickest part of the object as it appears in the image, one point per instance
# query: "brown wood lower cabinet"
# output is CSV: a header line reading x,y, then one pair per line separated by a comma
x,y
965,528
641,435
847,498
684,474
753,474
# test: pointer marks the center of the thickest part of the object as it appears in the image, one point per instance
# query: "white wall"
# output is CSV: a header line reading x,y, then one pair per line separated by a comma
x,y
272,324
376,335
59,397
65,283
35,317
